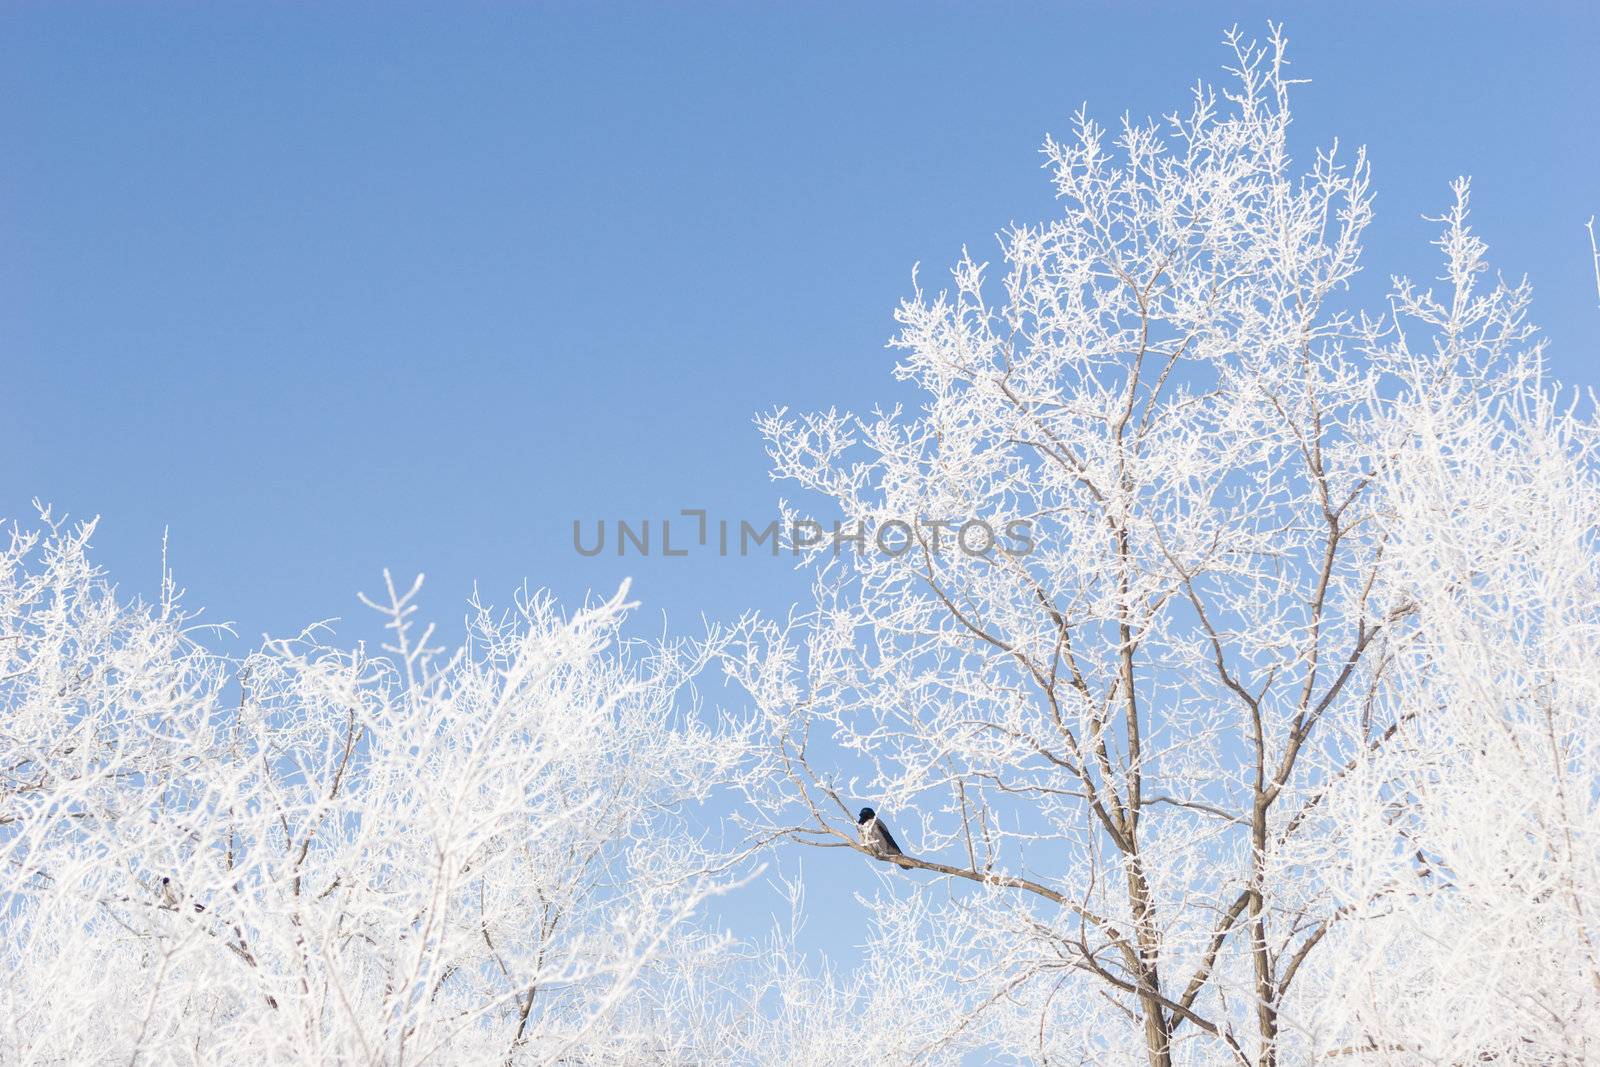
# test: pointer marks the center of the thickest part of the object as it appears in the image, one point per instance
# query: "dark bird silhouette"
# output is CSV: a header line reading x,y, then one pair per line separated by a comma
x,y
169,895
876,836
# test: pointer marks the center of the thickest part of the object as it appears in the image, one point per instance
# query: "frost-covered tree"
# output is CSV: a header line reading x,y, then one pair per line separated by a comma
x,y
1153,763
344,857
1265,734
1472,881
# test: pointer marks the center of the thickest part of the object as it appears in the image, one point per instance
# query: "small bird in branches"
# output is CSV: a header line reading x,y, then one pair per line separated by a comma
x,y
876,836
170,896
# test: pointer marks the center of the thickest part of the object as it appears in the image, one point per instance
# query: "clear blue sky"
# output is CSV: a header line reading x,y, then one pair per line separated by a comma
x,y
331,288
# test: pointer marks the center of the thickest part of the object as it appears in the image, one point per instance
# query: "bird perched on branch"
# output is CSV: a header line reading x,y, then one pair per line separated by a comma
x,y
876,836
171,898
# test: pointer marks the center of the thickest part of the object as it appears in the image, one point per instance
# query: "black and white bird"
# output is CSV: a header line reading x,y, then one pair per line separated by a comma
x,y
876,836
170,896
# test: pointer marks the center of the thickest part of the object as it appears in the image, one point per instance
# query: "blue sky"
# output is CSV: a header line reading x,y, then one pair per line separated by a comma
x,y
330,288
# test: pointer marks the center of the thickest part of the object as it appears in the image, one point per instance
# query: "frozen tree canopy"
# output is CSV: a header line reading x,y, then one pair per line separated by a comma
x,y
411,857
1274,744
1278,746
